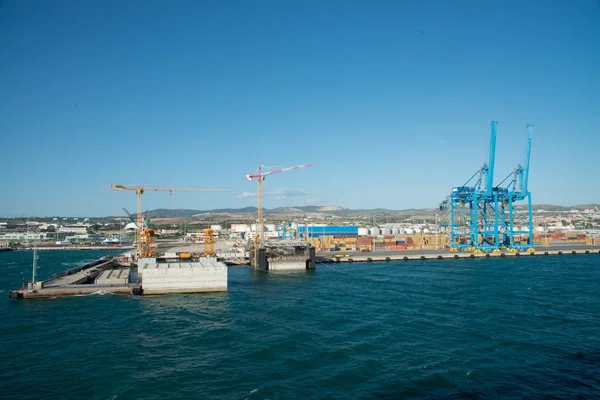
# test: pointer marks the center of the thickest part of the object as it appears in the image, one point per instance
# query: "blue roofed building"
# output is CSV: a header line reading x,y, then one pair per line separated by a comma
x,y
327,230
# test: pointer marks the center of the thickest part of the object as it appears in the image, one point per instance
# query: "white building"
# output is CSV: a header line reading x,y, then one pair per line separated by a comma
x,y
22,236
73,228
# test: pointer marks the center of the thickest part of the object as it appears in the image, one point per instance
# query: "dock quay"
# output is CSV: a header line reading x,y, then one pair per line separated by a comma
x,y
85,279
61,248
418,255
185,272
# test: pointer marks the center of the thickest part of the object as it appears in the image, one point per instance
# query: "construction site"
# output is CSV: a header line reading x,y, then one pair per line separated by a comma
x,y
150,271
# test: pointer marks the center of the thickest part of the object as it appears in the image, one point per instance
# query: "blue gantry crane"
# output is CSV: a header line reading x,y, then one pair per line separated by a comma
x,y
473,207
517,229
284,231
482,216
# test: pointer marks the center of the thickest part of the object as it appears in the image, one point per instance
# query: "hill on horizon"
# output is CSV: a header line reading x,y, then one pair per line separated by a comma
x,y
327,210
331,210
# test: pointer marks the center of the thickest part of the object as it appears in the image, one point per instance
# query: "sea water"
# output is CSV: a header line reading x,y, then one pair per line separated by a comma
x,y
524,327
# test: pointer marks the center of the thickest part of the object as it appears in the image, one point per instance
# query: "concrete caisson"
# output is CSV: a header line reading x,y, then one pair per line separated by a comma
x,y
194,276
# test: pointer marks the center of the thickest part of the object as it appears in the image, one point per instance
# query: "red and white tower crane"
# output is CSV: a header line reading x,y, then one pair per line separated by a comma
x,y
260,175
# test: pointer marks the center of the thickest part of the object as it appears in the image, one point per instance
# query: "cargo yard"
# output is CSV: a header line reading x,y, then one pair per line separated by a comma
x,y
198,261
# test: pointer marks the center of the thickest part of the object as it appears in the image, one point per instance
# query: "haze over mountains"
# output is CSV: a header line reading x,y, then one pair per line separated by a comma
x,y
300,211
328,210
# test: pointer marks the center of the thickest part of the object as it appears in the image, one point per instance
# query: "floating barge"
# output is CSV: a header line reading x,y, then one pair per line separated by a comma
x,y
118,275
285,255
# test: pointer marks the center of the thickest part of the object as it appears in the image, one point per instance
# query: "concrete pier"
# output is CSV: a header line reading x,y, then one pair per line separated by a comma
x,y
114,275
444,255
104,275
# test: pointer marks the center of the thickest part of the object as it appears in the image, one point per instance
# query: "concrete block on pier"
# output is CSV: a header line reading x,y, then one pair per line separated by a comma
x,y
193,276
114,277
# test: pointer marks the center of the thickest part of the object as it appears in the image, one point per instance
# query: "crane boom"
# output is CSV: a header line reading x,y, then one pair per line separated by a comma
x,y
525,172
489,185
167,189
260,175
182,189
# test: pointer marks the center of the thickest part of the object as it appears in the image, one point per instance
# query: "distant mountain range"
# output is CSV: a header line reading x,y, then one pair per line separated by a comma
x,y
326,210
300,211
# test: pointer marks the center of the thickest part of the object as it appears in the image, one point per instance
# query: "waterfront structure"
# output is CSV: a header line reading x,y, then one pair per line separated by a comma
x,y
482,217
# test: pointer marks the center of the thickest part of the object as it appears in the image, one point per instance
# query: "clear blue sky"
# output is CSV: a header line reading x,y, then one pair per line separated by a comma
x,y
389,100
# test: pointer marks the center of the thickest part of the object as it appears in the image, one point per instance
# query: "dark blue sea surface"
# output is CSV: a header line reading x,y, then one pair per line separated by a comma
x,y
501,328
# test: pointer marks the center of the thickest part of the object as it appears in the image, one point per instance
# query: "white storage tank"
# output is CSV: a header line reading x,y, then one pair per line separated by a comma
x,y
374,231
363,231
270,228
386,231
395,231
241,228
409,231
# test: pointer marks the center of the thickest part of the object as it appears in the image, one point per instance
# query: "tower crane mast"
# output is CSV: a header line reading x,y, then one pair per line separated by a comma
x,y
260,177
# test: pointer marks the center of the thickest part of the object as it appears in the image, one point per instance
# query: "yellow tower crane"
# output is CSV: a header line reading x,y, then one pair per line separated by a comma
x,y
144,235
260,175
209,243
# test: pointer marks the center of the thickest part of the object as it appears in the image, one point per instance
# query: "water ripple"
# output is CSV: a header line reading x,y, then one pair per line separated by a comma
x,y
455,329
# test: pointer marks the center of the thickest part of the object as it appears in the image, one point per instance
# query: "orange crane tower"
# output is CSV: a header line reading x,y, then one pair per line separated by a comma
x,y
140,191
260,175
